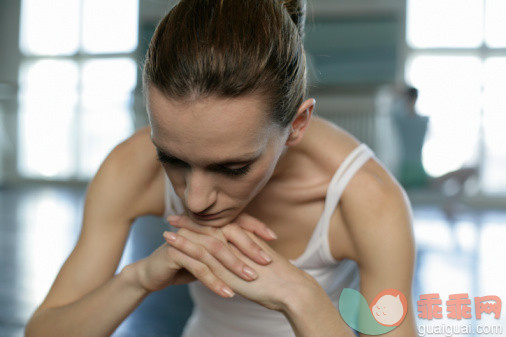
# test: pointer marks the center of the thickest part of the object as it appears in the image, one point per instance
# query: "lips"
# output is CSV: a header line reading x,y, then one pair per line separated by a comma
x,y
206,216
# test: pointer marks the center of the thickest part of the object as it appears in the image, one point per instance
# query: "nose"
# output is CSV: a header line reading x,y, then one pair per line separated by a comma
x,y
200,192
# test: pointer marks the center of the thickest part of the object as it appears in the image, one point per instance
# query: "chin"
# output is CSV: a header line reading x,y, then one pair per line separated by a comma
x,y
229,215
216,223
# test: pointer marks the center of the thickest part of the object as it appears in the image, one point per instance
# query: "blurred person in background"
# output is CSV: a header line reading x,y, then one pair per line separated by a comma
x,y
412,129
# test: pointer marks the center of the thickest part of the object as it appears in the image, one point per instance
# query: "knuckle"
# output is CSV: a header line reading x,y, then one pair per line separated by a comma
x,y
215,245
184,246
183,231
201,270
200,253
237,265
253,246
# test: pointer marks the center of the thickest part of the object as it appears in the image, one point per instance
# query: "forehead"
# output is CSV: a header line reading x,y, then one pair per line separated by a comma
x,y
210,128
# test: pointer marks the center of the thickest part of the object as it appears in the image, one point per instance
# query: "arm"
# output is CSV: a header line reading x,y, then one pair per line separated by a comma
x,y
312,313
86,289
97,313
383,242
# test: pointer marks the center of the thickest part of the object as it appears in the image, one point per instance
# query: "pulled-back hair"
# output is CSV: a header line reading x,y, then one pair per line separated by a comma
x,y
231,48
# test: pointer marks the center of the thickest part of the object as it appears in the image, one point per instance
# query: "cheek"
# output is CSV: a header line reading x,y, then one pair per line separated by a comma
x,y
246,187
177,180
263,172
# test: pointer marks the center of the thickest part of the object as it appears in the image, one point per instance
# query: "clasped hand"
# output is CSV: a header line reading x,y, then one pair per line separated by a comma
x,y
227,260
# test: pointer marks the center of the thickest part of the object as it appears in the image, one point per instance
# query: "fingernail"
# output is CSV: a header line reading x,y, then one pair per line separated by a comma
x,y
169,236
227,291
271,233
173,218
250,273
266,257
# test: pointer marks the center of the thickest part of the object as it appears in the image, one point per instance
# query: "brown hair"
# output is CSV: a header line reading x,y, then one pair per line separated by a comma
x,y
230,48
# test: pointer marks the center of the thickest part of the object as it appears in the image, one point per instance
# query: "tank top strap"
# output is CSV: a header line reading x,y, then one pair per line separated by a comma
x,y
349,167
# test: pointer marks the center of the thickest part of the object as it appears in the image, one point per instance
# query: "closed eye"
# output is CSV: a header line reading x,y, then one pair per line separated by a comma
x,y
164,159
235,172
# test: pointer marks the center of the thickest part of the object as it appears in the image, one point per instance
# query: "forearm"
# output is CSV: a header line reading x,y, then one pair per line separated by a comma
x,y
312,314
98,313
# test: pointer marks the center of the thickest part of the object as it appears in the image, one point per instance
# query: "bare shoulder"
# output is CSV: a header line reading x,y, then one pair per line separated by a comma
x,y
328,143
129,183
376,212
373,203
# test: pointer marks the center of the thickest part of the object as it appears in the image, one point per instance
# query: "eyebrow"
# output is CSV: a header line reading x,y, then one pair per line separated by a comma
x,y
165,156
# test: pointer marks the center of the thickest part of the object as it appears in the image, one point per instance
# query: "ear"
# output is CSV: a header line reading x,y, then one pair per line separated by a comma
x,y
300,122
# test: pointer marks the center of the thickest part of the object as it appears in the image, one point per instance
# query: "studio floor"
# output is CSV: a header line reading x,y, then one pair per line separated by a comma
x,y
39,226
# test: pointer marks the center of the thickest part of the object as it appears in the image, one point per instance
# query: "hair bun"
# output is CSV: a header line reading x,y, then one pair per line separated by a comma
x,y
297,11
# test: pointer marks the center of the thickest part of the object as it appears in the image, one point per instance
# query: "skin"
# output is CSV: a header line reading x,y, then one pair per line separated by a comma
x,y
194,135
285,159
286,184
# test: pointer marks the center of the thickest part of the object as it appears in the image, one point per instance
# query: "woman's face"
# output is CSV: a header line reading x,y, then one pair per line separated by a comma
x,y
218,153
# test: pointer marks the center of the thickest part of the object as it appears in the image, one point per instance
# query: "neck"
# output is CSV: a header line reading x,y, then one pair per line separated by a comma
x,y
281,166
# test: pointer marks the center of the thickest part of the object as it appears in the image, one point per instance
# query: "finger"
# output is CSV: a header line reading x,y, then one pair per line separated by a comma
x,y
239,254
256,226
233,233
244,220
201,271
203,274
240,238
208,250
185,222
174,219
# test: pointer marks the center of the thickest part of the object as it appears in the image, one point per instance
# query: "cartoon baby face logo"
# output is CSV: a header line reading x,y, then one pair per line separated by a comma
x,y
389,307
385,313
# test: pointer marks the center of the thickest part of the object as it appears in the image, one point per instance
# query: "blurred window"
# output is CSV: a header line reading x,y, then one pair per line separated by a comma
x,y
457,60
444,23
76,82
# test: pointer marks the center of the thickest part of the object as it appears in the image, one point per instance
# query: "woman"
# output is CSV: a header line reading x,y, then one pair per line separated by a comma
x,y
232,149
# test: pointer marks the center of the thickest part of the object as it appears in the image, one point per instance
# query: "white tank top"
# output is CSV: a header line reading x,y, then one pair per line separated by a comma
x,y
214,316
